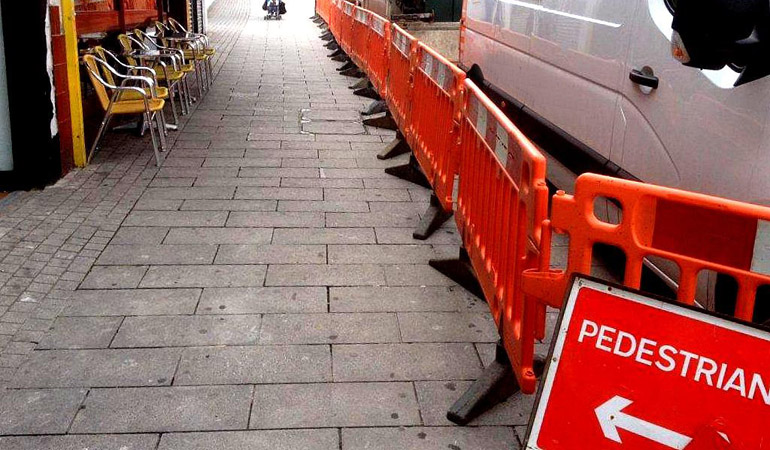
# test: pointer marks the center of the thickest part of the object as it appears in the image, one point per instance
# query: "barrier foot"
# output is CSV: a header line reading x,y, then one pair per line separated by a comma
x,y
367,92
460,271
495,385
381,121
397,146
341,58
335,53
332,45
410,172
360,84
328,36
432,220
353,72
375,107
348,65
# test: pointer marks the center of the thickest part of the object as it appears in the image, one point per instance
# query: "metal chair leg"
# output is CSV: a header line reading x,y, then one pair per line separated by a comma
x,y
160,121
171,92
154,139
100,135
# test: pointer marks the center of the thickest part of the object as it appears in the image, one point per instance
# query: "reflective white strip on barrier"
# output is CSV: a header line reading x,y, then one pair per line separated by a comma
x,y
427,64
760,261
378,25
402,43
360,16
348,9
501,145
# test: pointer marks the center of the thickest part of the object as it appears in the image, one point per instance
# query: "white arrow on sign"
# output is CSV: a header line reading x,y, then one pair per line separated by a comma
x,y
611,417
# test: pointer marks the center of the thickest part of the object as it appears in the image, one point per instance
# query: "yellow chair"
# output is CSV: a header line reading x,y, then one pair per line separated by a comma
x,y
163,92
174,76
144,39
148,105
208,50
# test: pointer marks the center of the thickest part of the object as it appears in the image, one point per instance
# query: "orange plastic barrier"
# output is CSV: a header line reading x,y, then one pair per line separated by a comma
x,y
322,9
346,29
694,231
399,85
359,37
433,132
376,65
502,201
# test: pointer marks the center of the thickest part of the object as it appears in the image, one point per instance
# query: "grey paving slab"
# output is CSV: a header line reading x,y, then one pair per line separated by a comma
x,y
334,405
138,254
283,172
255,365
187,331
371,219
271,254
446,236
430,438
405,298
328,328
38,411
436,397
323,182
281,219
176,218
204,276
114,277
242,162
447,327
133,302
325,275
260,300
323,439
324,206
219,236
139,235
229,205
161,409
415,275
234,181
81,442
367,195
326,163
189,193
387,254
80,332
324,236
405,362
154,204
280,193
98,368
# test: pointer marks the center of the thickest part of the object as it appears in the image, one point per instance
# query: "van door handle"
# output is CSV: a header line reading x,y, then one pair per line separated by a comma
x,y
643,78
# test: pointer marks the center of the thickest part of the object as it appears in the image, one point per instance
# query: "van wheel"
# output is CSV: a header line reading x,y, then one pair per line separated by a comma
x,y
476,75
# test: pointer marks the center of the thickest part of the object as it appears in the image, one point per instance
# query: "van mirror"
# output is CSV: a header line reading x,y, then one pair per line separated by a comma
x,y
709,34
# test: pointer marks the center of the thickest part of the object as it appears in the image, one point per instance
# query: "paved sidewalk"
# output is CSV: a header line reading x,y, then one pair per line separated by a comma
x,y
260,290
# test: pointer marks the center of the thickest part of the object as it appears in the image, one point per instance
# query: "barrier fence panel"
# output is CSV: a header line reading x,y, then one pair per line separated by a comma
x,y
376,66
502,201
399,85
322,9
334,17
345,37
359,37
435,120
695,232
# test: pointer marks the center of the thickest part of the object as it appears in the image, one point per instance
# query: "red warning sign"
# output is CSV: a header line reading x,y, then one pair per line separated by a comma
x,y
632,372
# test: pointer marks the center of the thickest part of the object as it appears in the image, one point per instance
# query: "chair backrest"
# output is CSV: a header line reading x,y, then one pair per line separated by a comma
x,y
128,47
100,52
176,25
100,86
